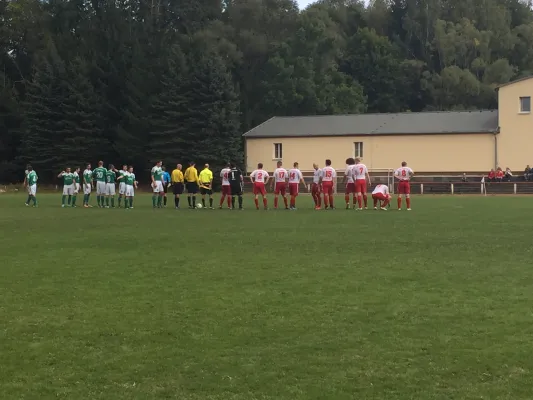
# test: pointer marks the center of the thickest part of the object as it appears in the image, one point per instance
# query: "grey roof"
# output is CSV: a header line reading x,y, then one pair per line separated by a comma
x,y
379,124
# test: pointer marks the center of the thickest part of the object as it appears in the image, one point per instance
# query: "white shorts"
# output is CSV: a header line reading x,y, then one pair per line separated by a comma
x,y
100,188
68,190
158,187
110,189
32,190
129,191
122,188
76,188
87,188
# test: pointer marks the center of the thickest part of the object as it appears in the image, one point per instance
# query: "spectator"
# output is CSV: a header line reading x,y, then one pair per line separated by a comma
x,y
508,175
499,175
464,178
492,176
527,173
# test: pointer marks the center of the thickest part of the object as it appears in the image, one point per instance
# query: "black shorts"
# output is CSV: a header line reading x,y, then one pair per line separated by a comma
x,y
206,191
177,188
236,190
192,187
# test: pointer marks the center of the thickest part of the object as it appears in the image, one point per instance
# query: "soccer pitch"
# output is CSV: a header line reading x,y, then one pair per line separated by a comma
x,y
208,304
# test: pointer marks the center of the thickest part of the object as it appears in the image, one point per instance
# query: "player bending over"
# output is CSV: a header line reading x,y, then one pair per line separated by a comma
x,y
236,180
350,183
110,187
100,174
381,194
316,187
206,185
225,188
260,178
122,184
30,182
295,178
404,175
280,185
87,185
68,186
157,185
360,177
329,178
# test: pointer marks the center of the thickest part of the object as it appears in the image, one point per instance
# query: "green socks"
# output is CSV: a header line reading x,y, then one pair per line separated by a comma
x,y
159,201
107,201
154,199
113,202
119,200
69,200
63,201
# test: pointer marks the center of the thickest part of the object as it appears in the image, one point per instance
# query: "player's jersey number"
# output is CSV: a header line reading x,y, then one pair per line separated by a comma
x,y
328,174
281,174
99,174
260,175
293,175
226,176
404,172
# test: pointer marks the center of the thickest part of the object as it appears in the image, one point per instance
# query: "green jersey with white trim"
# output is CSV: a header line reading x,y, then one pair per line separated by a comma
x,y
122,173
76,177
130,178
68,178
110,176
100,174
32,178
87,176
157,173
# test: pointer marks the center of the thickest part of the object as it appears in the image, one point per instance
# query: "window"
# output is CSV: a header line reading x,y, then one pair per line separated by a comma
x,y
278,151
525,104
358,149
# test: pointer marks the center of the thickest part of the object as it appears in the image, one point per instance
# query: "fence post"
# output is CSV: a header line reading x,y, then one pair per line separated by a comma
x,y
481,188
452,188
514,189
421,188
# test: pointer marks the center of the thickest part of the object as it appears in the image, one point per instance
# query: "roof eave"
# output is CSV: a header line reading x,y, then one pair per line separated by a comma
x,y
488,131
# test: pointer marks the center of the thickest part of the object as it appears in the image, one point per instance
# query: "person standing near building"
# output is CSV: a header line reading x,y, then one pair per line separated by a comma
x,y
177,185
191,182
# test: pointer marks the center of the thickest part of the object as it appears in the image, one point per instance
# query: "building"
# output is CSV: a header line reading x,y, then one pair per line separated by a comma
x,y
431,142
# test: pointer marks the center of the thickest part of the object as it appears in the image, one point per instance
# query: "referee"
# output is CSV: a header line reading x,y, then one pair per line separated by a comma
x,y
206,181
177,185
191,182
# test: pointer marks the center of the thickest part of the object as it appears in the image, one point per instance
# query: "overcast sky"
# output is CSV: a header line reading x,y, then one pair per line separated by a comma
x,y
304,3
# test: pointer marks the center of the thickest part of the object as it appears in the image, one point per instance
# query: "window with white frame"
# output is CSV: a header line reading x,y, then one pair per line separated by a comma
x,y
278,151
358,149
525,104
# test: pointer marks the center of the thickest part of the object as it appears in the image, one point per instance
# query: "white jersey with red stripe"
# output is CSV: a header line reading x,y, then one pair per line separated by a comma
x,y
383,189
259,175
328,174
224,174
403,173
295,175
317,175
360,171
280,175
349,173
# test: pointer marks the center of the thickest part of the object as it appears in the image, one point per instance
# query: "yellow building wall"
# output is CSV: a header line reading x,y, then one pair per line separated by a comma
x,y
424,153
515,141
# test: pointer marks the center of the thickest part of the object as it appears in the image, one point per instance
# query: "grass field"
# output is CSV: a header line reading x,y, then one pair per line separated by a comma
x,y
163,304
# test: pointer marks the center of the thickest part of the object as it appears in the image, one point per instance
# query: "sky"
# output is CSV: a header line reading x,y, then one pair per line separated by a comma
x,y
304,3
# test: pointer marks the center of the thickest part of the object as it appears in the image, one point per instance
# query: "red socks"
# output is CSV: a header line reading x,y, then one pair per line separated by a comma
x,y
285,201
256,203
265,203
399,202
408,201
229,201
360,201
365,199
276,202
331,200
347,199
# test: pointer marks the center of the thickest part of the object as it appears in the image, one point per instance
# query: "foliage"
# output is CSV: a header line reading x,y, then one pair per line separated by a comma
x,y
134,81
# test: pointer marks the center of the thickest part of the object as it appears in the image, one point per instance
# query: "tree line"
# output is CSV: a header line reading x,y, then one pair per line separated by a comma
x,y
136,81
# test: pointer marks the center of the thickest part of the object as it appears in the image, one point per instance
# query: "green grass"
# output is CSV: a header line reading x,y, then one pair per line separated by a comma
x,y
165,304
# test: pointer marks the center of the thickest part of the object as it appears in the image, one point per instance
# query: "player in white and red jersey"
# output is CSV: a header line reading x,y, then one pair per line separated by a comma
x,y
316,187
350,182
280,180
381,194
225,188
404,175
329,178
295,177
259,179
360,176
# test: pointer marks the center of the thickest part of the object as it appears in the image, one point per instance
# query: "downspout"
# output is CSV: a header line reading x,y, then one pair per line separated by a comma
x,y
496,148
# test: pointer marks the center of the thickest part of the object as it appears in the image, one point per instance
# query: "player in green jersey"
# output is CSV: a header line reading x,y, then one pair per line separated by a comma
x,y
157,185
68,186
122,183
111,177
87,185
131,184
30,182
76,186
99,174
